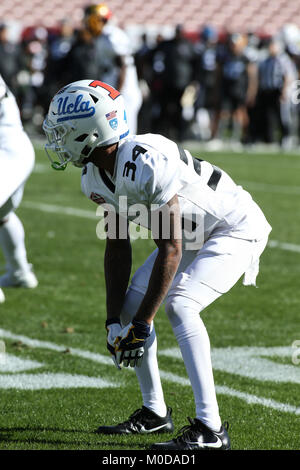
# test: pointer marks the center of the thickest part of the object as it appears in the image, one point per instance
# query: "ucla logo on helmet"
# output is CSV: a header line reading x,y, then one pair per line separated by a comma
x,y
74,110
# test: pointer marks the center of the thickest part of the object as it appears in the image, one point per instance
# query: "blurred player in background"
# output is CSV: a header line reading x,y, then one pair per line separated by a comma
x,y
237,84
86,125
114,58
16,164
205,74
277,72
176,56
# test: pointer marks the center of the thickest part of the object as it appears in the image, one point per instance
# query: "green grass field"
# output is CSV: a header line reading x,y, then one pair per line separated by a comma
x,y
58,383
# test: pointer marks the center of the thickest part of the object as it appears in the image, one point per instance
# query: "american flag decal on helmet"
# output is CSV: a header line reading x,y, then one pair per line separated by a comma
x,y
111,115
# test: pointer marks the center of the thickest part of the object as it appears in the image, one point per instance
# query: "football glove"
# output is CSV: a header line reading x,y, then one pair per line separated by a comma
x,y
113,328
130,343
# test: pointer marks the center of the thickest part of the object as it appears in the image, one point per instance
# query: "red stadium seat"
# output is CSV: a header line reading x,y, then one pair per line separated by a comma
x,y
157,12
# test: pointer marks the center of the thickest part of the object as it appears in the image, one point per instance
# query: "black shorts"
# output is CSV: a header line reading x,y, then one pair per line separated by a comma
x,y
233,97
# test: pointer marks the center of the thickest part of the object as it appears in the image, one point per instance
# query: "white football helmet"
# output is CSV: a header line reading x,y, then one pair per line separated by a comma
x,y
83,115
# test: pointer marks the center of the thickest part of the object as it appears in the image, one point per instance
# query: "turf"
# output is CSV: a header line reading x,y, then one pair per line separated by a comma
x,y
68,309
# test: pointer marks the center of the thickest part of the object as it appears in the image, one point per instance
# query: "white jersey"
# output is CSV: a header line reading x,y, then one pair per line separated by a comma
x,y
9,111
150,169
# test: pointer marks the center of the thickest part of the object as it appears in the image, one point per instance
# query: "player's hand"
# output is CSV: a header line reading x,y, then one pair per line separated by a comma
x,y
130,343
113,328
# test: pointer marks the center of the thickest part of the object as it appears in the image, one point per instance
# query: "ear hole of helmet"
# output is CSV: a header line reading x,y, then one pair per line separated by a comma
x,y
94,98
81,137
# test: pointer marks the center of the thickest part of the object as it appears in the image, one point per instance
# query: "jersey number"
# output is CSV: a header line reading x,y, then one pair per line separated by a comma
x,y
130,166
113,94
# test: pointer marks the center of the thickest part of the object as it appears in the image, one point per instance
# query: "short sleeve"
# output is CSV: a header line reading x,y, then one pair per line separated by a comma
x,y
159,181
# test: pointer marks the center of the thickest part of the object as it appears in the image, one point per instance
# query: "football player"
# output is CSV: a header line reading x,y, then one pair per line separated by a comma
x,y
213,234
16,164
115,58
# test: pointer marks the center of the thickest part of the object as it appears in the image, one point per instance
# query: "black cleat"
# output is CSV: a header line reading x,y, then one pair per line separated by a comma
x,y
197,436
142,421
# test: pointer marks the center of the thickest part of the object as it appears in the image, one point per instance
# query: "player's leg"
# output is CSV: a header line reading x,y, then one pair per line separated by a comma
x,y
12,241
216,268
194,344
16,164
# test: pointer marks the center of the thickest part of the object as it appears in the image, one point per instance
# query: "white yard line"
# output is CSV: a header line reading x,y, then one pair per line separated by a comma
x,y
46,380
55,209
247,397
284,246
255,400
35,343
251,362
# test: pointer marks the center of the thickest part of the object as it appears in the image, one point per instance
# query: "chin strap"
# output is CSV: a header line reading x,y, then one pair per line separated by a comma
x,y
58,167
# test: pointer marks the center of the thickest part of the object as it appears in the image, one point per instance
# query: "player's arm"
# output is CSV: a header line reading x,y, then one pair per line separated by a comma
x,y
130,345
165,266
252,72
117,268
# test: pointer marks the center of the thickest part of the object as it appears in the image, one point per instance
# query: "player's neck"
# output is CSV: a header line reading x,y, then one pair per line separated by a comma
x,y
105,158
109,164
